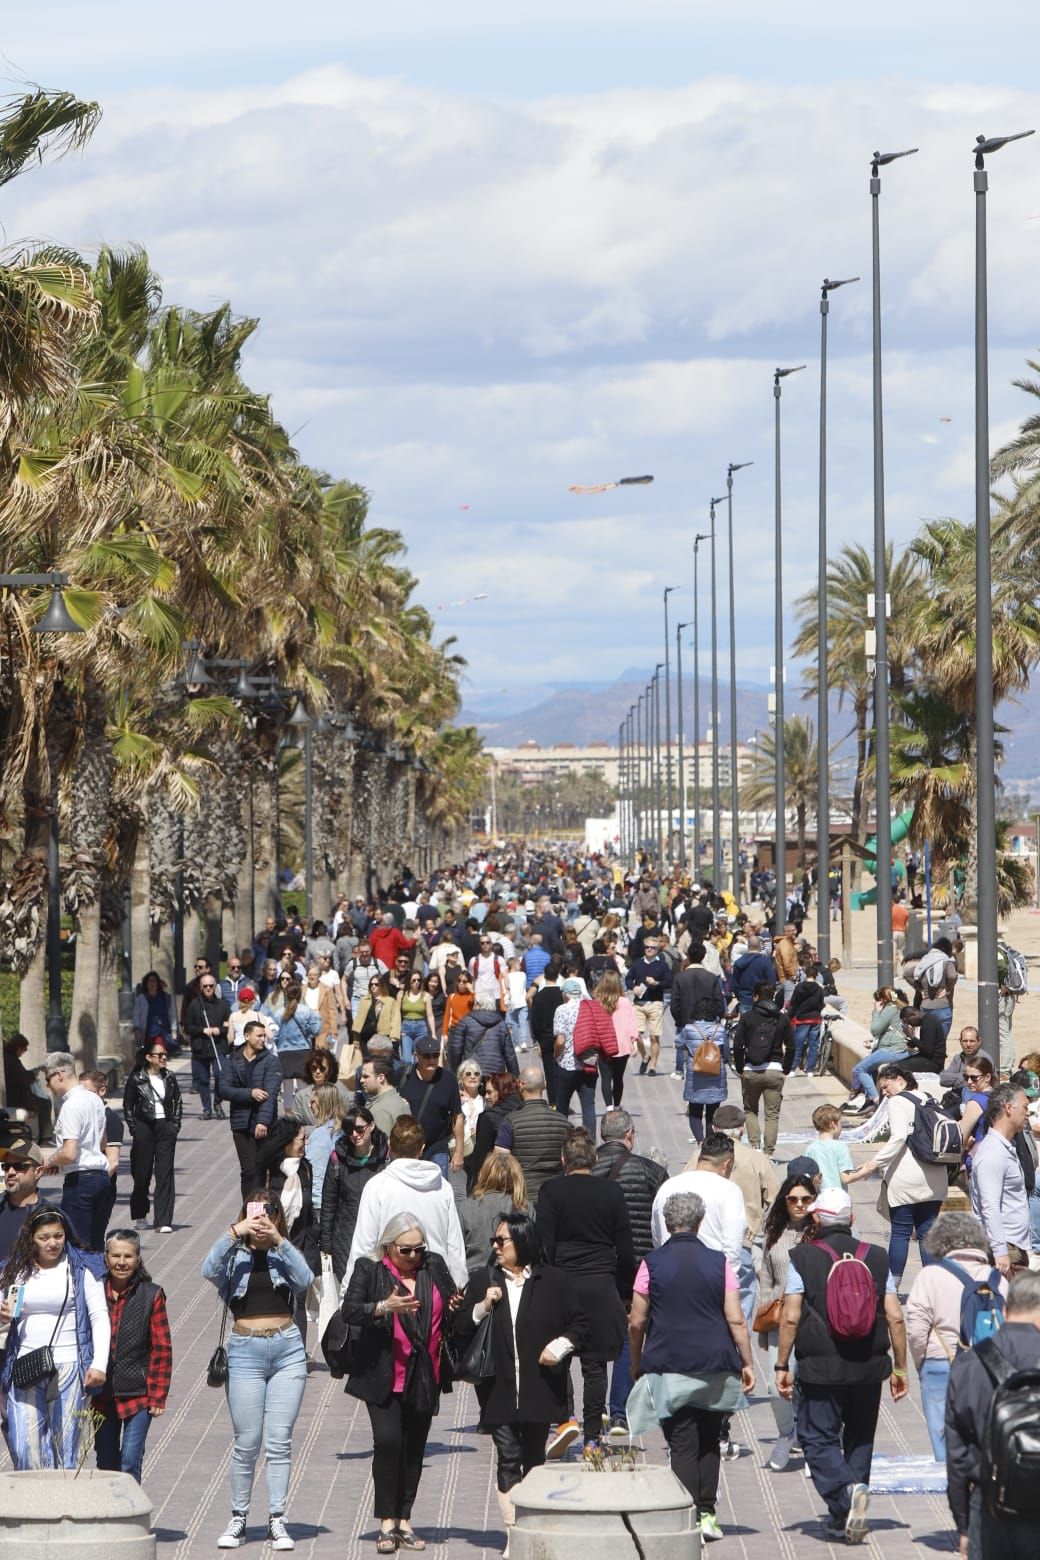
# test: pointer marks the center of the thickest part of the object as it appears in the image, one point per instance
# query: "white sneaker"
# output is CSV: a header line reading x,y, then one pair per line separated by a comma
x,y
278,1534
855,1102
856,1525
677,1076
166,1229
234,1533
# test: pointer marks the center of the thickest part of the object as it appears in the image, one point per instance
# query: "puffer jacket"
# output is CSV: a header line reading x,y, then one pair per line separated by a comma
x,y
345,1180
640,1180
483,1037
764,1017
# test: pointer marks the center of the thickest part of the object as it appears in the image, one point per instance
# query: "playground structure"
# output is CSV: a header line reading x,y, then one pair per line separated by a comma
x,y
900,829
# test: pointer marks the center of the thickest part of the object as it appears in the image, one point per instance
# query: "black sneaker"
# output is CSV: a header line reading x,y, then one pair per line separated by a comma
x,y
219,1113
642,1068
207,1115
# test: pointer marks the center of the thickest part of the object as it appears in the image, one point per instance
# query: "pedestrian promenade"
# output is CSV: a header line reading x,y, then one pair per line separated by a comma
x,y
329,1511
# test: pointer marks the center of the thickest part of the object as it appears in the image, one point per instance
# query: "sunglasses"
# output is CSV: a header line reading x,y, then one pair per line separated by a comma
x,y
500,1240
234,968
358,1127
200,966
972,1077
409,1251
19,1166
157,1056
799,1200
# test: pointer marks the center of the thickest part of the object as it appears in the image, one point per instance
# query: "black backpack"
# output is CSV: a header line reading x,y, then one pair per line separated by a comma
x,y
760,1043
1009,1474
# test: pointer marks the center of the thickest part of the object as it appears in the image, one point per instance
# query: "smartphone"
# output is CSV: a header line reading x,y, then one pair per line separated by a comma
x,y
255,1210
14,1295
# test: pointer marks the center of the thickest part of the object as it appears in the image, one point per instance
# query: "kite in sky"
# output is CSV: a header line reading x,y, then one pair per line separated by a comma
x,y
605,487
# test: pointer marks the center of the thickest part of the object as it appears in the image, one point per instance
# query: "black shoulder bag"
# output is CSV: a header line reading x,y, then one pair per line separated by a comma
x,y
217,1369
36,1367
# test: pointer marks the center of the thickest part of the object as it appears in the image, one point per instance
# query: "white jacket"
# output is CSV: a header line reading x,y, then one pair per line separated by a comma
x,y
410,1186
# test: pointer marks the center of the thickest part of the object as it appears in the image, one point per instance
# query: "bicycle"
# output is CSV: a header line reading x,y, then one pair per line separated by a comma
x,y
823,1055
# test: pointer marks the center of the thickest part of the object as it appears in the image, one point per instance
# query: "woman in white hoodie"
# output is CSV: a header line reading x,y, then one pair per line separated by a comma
x,y
960,1255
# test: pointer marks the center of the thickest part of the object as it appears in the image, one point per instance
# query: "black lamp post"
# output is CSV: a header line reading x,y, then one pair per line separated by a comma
x,y
780,797
733,779
680,765
659,781
985,780
823,811
668,717
701,536
716,798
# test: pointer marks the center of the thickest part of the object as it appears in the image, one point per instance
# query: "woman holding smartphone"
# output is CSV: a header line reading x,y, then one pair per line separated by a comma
x,y
261,1277
54,1287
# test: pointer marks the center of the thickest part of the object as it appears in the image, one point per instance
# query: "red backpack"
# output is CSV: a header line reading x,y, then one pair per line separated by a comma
x,y
852,1296
594,1032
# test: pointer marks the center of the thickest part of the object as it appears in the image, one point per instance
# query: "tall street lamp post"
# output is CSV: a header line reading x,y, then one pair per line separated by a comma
x,y
780,798
702,536
823,809
733,781
986,823
668,717
56,620
883,785
639,769
680,766
716,798
658,783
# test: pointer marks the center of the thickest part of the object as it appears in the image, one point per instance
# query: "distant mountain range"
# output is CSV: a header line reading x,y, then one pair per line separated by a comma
x,y
583,712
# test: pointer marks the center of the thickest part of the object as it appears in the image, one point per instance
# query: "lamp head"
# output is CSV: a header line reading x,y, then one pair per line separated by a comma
x,y
983,147
57,619
740,465
299,717
702,536
782,373
243,688
829,286
196,675
882,159
721,500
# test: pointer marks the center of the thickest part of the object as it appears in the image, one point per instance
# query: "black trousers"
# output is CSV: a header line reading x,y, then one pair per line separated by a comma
x,y
593,1396
245,1147
836,1428
153,1148
693,1436
398,1445
520,1448
612,1079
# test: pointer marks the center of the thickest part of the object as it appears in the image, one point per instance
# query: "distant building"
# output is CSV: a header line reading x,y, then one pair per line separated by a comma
x,y
531,762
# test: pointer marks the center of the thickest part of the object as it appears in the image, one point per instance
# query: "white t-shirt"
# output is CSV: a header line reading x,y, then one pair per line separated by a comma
x,y
41,1304
517,989
159,1090
82,1116
724,1227
312,996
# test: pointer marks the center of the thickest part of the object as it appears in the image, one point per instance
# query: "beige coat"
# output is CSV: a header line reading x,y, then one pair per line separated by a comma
x,y
933,1306
907,1180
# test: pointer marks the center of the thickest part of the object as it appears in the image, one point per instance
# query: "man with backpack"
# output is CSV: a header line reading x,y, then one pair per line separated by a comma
x,y
992,1434
841,1316
1013,978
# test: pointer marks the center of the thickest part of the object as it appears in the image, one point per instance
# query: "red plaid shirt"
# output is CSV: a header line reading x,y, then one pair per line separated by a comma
x,y
160,1360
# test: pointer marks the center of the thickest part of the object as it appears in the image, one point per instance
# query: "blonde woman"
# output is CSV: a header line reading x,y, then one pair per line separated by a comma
x,y
499,1193
326,1103
610,994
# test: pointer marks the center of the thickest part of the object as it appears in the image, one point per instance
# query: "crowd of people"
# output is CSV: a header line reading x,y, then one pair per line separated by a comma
x,y
439,1180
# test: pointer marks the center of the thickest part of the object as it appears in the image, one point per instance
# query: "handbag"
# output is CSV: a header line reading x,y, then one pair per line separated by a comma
x,y
478,1362
707,1059
36,1367
217,1369
767,1317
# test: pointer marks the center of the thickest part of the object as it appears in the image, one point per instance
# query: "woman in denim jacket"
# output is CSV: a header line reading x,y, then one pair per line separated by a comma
x,y
261,1277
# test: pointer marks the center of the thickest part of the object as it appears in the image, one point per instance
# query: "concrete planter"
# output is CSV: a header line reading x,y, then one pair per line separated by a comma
x,y
52,1515
639,1514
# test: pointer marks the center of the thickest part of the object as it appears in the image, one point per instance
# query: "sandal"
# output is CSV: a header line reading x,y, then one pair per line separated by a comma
x,y
406,1539
386,1543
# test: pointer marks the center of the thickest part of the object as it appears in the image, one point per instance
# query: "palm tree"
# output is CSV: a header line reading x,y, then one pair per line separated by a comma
x,y
850,580
800,774
931,773
944,632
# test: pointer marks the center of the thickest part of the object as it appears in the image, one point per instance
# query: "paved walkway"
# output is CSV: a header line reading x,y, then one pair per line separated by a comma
x,y
186,1470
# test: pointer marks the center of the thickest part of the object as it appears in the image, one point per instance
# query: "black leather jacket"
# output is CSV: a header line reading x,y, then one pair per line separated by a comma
x,y
139,1099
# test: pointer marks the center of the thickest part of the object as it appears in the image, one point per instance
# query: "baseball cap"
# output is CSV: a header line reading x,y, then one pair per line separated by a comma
x,y
246,994
801,1164
428,1045
571,988
23,1148
832,1206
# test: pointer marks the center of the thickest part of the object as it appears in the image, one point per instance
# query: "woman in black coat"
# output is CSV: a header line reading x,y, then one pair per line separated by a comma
x,y
358,1154
501,1097
532,1342
152,1110
400,1299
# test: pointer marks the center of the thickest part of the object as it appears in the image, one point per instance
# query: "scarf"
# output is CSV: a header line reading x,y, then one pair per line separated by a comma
x,y
292,1191
420,1383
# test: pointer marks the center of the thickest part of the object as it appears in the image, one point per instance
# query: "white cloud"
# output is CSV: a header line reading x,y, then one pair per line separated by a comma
x,y
465,301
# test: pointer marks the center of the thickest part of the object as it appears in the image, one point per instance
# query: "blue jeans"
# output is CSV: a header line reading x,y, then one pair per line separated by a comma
x,y
266,1378
584,1084
441,1160
412,1030
746,1280
807,1040
905,1220
620,1383
516,1023
202,1069
862,1080
1034,1219
935,1377
945,1017
127,1457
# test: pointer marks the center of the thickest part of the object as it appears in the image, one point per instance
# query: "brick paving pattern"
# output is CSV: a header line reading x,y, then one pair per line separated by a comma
x,y
329,1510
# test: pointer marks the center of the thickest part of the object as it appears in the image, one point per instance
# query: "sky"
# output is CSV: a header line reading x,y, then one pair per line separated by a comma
x,y
499,250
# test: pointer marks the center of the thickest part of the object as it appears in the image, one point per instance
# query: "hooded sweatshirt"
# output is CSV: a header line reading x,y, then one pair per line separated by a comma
x,y
413,1186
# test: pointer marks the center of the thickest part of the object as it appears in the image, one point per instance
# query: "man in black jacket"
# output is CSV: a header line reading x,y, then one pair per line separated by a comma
x,y
640,1179
206,1017
251,1081
926,1038
968,1402
696,994
839,1378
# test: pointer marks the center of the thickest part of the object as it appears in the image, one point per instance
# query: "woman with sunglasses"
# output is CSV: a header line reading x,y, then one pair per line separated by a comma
x,y
140,1364
434,988
400,1299
786,1224
472,1102
154,1015
320,1070
63,1306
537,1324
979,1082
261,1278
358,1153
377,1014
416,1010
152,1110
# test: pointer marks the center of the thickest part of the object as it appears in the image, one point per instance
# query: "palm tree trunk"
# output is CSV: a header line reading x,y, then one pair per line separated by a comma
x,y
140,918
109,1038
970,909
213,907
32,1004
86,987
